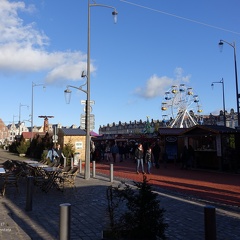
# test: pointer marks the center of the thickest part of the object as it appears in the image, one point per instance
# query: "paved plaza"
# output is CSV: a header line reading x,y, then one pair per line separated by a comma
x,y
184,213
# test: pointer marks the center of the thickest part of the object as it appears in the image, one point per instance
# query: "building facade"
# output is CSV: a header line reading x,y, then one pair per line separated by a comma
x,y
141,127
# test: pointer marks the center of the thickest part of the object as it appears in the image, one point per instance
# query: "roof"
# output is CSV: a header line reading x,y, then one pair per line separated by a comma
x,y
28,135
215,129
171,131
73,131
94,134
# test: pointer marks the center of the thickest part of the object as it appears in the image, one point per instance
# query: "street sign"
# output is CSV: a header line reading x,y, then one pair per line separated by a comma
x,y
86,109
55,138
83,102
92,121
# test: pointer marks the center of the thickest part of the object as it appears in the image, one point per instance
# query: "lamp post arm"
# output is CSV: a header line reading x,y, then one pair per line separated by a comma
x,y
78,88
230,44
102,5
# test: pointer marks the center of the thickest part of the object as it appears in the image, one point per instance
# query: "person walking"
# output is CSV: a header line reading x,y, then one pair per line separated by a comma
x,y
139,158
121,151
148,159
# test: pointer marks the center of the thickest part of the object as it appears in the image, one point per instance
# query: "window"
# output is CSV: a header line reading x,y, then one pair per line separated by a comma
x,y
78,145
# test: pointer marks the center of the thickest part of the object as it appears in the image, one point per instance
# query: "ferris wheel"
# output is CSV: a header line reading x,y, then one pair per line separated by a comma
x,y
181,107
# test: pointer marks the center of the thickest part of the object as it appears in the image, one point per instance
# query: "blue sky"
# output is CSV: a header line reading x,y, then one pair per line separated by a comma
x,y
154,45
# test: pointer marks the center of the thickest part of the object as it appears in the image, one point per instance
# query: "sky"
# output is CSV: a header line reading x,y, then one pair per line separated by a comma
x,y
154,44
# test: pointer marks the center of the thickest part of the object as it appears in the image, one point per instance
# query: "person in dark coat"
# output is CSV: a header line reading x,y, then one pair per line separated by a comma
x,y
156,150
139,158
185,157
191,155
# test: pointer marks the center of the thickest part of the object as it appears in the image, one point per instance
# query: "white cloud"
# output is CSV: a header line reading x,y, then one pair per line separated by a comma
x,y
179,75
22,48
157,86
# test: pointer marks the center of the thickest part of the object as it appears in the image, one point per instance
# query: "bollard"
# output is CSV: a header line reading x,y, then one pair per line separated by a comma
x,y
65,161
93,169
65,221
29,193
71,163
210,223
80,166
111,172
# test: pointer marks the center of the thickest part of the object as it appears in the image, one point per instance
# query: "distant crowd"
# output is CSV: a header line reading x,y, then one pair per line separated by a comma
x,y
112,151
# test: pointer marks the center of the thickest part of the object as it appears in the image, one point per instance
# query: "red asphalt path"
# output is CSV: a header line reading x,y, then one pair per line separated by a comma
x,y
212,186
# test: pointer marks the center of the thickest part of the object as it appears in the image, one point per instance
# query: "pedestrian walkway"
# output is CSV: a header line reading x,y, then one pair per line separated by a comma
x,y
210,186
184,213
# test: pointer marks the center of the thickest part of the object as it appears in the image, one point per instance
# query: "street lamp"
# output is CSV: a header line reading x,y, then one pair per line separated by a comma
x,y
87,91
20,106
34,85
233,45
13,127
224,110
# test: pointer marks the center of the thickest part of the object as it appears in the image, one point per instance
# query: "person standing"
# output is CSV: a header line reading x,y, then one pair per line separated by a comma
x,y
60,154
191,155
114,151
156,153
148,159
121,151
184,157
52,154
139,158
108,152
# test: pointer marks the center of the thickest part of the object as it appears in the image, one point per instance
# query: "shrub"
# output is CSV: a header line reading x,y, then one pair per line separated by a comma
x,y
142,217
23,147
68,151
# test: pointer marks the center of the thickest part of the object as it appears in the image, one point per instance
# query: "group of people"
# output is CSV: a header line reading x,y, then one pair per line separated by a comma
x,y
151,156
55,154
140,153
109,151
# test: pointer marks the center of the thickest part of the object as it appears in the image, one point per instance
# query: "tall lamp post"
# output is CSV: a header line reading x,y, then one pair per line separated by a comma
x,y
223,95
87,91
13,127
233,45
34,85
20,106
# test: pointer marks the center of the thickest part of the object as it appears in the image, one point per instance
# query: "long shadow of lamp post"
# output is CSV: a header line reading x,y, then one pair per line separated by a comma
x,y
223,96
233,45
87,91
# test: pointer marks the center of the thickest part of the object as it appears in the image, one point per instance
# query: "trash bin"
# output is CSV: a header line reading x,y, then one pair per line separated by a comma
x,y
76,158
